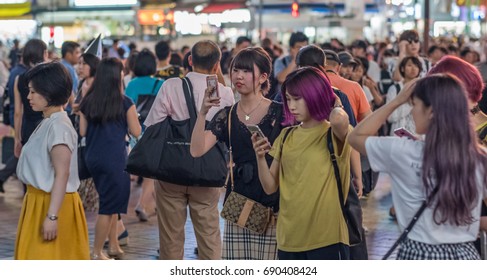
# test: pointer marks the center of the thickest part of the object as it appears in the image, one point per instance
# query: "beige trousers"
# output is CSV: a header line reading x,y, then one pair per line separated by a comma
x,y
172,202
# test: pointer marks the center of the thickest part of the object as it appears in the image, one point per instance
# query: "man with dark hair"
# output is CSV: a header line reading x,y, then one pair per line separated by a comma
x,y
173,200
70,53
113,51
435,53
227,56
164,69
14,54
359,49
285,65
409,45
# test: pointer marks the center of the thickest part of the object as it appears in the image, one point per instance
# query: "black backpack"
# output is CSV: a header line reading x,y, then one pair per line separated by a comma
x,y
145,101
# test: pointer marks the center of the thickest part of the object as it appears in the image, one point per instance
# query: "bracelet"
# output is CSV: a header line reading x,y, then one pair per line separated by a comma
x,y
338,106
52,217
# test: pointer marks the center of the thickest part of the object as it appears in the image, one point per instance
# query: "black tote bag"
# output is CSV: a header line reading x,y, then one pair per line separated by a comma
x,y
163,153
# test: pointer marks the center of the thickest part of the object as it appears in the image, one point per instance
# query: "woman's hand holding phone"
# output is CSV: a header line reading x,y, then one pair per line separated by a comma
x,y
210,100
261,145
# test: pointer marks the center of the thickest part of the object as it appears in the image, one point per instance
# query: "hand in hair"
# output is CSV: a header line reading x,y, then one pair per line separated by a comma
x,y
405,93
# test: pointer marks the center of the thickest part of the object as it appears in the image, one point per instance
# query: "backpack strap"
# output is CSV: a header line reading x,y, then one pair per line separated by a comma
x,y
483,133
156,82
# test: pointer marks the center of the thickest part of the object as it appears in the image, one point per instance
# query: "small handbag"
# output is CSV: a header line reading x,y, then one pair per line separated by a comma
x,y
240,210
83,172
351,209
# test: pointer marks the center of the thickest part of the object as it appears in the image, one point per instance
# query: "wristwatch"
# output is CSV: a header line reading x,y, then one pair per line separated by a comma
x,y
52,217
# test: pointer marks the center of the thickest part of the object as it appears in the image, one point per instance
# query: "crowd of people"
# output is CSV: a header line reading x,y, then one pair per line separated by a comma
x,y
329,118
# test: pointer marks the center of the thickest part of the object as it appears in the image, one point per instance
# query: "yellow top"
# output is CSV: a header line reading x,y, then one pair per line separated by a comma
x,y
478,129
310,215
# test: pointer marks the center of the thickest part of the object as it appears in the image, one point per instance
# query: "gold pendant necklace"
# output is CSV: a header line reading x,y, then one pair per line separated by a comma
x,y
247,115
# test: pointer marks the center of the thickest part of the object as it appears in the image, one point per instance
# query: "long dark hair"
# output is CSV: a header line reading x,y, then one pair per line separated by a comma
x,y
104,100
452,155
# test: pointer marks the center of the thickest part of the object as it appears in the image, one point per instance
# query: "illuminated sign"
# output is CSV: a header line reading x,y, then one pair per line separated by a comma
x,y
154,17
85,3
13,1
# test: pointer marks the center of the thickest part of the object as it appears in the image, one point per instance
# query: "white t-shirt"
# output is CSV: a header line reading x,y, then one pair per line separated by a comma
x,y
401,117
35,165
368,93
374,71
402,159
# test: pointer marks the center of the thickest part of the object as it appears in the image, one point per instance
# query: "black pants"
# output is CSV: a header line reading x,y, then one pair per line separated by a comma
x,y
337,251
9,169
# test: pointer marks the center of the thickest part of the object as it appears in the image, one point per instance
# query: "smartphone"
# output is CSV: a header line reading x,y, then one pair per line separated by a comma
x,y
402,132
212,81
253,128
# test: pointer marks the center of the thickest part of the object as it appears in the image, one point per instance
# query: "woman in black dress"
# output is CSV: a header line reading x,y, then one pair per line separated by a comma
x,y
107,115
249,72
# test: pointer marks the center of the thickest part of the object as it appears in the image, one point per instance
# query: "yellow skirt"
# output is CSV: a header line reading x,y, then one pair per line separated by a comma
x,y
72,241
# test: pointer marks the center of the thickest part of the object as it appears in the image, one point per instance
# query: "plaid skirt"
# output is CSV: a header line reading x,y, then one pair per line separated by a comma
x,y
414,250
242,244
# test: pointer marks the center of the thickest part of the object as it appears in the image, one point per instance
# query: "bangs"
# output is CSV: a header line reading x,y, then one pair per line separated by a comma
x,y
244,60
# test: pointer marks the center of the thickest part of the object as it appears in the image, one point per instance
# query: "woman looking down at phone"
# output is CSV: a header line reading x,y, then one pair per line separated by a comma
x,y
311,225
447,169
249,73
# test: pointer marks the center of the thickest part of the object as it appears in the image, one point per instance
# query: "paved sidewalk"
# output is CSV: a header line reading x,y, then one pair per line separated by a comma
x,y
144,240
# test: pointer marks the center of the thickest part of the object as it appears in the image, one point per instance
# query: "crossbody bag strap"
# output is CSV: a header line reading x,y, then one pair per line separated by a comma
x,y
335,169
230,168
413,221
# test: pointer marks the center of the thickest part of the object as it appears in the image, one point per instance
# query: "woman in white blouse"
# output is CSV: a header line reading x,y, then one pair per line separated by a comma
x,y
52,222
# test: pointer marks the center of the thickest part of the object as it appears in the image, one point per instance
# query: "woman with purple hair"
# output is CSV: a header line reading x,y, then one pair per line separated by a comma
x,y
310,224
447,169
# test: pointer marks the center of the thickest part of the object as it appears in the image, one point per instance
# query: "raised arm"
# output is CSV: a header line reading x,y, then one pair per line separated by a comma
x,y
339,125
202,140
372,123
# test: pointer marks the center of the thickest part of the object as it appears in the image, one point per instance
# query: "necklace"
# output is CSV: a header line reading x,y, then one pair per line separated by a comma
x,y
247,115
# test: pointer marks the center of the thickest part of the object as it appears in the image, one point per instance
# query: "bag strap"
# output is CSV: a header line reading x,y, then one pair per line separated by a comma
x,y
483,133
335,169
188,95
230,168
413,221
156,82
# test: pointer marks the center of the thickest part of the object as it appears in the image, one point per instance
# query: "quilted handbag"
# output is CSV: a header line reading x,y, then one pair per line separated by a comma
x,y
240,210
246,213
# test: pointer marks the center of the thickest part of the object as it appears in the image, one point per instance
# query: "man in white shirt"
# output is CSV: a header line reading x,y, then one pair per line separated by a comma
x,y
172,200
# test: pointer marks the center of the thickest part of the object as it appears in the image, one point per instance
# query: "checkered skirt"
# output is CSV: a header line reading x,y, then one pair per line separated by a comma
x,y
242,244
414,250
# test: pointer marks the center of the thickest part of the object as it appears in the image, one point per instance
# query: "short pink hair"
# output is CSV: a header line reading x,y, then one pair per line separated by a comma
x,y
465,72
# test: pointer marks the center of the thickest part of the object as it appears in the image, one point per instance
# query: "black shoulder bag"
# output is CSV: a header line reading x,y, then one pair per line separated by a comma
x,y
163,152
351,209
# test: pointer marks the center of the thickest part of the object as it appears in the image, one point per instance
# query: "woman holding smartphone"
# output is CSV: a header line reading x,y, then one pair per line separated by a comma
x,y
249,73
